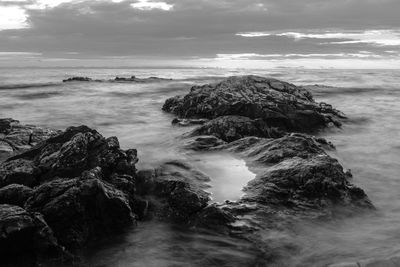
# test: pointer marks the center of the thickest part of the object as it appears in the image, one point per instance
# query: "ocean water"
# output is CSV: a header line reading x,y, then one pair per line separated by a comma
x,y
368,144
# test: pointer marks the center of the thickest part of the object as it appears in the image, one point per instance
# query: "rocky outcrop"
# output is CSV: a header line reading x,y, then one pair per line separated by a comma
x,y
68,155
278,104
16,138
78,183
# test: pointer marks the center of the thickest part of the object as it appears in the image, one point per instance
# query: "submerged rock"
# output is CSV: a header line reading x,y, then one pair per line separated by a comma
x,y
277,103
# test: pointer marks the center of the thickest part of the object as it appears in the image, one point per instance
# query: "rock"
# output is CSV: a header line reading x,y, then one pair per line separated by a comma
x,y
277,103
78,79
318,182
81,209
15,194
177,190
84,185
16,138
68,155
231,128
26,239
295,171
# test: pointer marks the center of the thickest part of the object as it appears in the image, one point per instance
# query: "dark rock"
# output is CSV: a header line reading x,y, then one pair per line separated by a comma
x,y
19,171
78,79
68,155
81,209
231,128
277,103
15,194
176,189
16,138
26,239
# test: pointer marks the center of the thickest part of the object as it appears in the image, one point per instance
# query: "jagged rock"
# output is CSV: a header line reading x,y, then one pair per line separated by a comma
x,y
26,239
177,189
69,154
81,209
277,103
15,194
16,138
231,128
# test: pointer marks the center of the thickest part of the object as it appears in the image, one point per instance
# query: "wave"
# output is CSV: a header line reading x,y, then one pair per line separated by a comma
x,y
28,85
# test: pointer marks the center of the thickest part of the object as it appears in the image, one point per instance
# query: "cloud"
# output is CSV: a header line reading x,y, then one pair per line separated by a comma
x,y
12,17
149,5
376,37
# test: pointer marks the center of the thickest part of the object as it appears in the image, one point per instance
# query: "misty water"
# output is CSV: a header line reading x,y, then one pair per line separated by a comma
x,y
368,144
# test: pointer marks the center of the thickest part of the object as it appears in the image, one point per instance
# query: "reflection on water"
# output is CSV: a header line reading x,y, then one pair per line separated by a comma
x,y
368,145
228,174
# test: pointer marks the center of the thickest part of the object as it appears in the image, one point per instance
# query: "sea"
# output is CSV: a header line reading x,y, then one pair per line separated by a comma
x,y
368,144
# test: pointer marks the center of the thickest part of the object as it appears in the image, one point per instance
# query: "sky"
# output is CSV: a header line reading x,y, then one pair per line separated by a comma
x,y
201,33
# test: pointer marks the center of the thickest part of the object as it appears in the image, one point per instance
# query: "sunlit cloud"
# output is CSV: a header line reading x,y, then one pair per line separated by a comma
x,y
12,17
149,5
